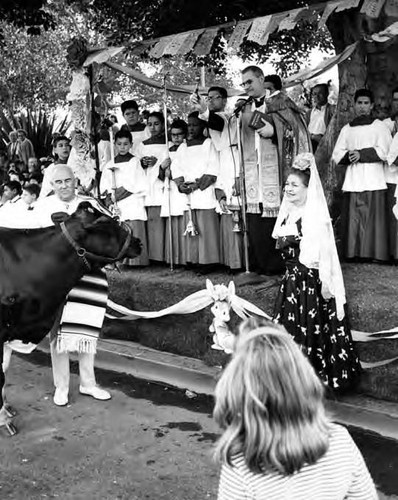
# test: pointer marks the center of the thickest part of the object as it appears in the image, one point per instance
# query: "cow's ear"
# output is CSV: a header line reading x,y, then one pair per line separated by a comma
x,y
87,207
59,217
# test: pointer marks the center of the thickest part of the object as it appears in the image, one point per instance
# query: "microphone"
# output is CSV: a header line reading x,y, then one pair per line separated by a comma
x,y
240,106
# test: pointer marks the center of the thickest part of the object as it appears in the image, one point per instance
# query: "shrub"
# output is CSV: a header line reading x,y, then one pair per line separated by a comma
x,y
39,128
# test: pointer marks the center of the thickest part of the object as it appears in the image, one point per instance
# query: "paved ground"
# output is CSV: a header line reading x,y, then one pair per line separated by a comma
x,y
149,442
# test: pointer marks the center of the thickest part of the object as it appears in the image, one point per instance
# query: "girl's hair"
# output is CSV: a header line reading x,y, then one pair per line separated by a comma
x,y
304,175
269,403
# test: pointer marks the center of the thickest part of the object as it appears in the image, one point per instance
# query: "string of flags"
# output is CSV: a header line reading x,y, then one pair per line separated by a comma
x,y
257,30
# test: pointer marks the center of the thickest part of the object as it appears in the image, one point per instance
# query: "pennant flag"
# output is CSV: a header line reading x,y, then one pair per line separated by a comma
x,y
347,4
238,34
329,9
100,56
290,22
189,42
138,48
372,8
307,14
175,44
259,31
157,50
204,44
391,8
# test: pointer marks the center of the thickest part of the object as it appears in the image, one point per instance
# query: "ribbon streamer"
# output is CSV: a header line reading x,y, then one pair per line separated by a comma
x,y
243,308
193,303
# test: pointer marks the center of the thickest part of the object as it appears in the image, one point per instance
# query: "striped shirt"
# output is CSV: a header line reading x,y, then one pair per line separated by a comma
x,y
340,474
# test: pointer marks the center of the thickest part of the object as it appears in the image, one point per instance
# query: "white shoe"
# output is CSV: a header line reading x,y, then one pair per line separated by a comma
x,y
60,397
96,392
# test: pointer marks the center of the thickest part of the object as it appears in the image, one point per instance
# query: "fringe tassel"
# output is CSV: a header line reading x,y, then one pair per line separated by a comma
x,y
270,212
76,343
253,208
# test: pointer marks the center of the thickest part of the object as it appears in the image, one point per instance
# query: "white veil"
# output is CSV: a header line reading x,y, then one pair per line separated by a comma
x,y
317,246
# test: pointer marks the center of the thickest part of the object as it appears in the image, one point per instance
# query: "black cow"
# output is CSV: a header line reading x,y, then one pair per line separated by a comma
x,y
39,267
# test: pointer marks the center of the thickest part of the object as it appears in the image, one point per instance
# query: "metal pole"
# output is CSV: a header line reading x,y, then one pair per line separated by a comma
x,y
94,131
242,187
113,169
203,76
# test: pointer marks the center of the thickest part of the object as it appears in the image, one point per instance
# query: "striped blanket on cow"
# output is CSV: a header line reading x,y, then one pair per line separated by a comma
x,y
83,314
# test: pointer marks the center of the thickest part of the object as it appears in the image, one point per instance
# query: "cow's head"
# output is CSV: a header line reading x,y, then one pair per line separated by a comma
x,y
94,229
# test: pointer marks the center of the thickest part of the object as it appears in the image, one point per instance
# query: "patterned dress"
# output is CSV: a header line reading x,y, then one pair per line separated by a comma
x,y
312,320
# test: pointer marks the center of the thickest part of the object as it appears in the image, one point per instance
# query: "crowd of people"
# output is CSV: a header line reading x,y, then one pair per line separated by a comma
x,y
182,187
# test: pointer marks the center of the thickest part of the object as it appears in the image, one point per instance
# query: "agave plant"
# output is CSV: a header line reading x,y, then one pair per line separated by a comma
x,y
40,129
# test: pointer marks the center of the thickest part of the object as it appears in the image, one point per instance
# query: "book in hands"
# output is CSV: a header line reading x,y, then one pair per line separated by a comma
x,y
257,120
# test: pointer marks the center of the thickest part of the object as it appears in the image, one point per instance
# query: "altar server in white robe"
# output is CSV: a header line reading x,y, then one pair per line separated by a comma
x,y
222,131
195,169
152,152
124,180
362,148
392,182
174,202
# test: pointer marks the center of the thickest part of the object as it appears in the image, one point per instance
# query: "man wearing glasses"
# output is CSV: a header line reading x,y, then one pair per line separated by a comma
x,y
222,131
262,176
174,203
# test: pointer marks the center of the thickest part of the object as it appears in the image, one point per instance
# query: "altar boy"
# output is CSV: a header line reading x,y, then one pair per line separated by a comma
x,y
123,181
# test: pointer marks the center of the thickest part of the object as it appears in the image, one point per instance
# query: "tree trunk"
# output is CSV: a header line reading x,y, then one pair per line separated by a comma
x,y
372,65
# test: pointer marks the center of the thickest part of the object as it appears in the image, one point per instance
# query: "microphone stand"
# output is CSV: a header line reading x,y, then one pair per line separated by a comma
x,y
242,188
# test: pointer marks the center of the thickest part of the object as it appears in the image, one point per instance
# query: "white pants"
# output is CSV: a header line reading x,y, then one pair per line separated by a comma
x,y
7,351
61,373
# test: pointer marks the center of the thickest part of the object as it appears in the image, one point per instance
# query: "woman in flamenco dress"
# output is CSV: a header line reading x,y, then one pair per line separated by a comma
x,y
311,302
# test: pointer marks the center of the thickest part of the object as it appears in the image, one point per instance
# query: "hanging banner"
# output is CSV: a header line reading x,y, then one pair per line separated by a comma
x,y
138,48
189,42
347,4
372,8
308,14
329,9
100,56
290,22
204,44
157,50
391,8
175,44
238,34
259,31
